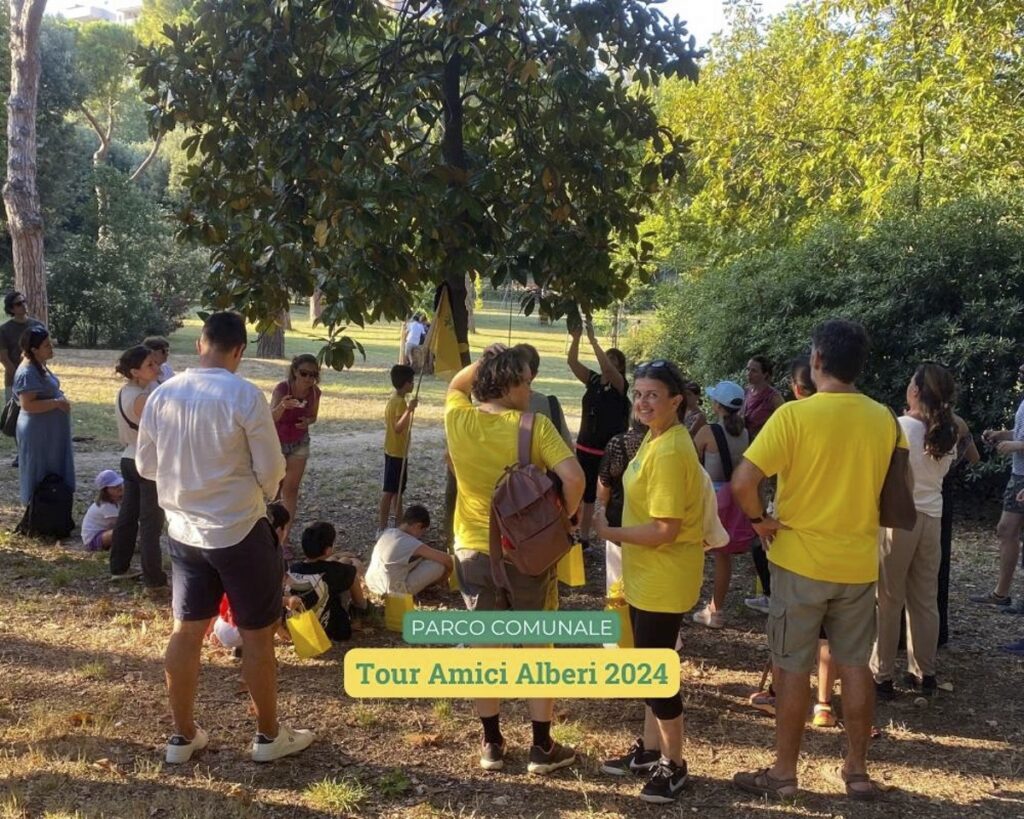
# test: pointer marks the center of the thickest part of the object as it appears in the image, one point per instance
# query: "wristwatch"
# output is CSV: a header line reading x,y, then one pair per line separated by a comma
x,y
758,519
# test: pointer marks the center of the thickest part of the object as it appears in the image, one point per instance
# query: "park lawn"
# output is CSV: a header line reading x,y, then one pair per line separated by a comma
x,y
83,713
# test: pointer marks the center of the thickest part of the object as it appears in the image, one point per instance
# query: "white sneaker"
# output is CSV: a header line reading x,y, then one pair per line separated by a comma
x,y
288,741
180,749
757,603
707,617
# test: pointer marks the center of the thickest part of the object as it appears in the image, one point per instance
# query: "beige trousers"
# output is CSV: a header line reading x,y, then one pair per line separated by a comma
x,y
908,576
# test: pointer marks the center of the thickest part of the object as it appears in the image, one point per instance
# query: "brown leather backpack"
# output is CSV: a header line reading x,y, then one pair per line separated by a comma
x,y
529,527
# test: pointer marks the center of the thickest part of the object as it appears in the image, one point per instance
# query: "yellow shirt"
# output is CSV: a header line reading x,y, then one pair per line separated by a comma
x,y
395,444
481,444
831,452
664,481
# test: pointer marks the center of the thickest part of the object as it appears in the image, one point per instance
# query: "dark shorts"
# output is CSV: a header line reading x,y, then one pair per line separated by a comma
x,y
1010,503
591,466
476,581
250,573
393,474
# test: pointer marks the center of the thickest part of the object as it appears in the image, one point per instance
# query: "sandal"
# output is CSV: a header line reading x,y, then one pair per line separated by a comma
x,y
763,701
763,784
874,793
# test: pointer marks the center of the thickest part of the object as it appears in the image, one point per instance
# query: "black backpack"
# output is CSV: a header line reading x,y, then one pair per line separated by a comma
x,y
49,511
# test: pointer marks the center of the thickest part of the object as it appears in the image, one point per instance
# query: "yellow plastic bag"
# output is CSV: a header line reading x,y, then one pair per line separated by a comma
x,y
395,607
570,567
621,607
308,636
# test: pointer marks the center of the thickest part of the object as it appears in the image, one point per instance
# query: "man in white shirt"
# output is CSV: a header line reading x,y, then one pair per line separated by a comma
x,y
208,440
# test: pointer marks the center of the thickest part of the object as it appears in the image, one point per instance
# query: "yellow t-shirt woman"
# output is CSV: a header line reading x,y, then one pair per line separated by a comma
x,y
664,481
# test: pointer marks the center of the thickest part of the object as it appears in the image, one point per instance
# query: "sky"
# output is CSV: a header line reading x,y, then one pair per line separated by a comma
x,y
705,17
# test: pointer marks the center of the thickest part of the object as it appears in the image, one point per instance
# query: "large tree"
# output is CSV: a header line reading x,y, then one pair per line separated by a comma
x,y
344,147
21,196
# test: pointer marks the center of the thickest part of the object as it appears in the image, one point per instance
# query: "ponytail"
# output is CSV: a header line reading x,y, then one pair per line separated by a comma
x,y
732,422
936,393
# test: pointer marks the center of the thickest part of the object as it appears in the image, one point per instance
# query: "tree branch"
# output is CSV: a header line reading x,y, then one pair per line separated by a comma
x,y
145,162
101,152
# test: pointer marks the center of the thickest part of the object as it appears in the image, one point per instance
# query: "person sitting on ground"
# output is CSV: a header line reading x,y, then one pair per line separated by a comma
x,y
728,428
397,420
324,585
540,403
483,440
98,524
402,563
161,349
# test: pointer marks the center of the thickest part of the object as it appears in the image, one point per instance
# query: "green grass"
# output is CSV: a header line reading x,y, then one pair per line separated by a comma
x,y
393,784
352,400
336,796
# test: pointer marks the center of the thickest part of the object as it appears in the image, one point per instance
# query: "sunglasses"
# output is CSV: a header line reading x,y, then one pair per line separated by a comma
x,y
19,303
307,373
661,364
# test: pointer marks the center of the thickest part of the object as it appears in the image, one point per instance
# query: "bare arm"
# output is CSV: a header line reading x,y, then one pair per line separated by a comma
x,y
574,482
9,366
971,454
430,553
656,532
698,425
140,404
608,370
35,406
463,379
579,370
405,419
268,463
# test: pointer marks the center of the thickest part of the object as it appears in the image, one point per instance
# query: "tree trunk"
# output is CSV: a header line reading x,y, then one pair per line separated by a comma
x,y
316,305
271,343
21,197
470,303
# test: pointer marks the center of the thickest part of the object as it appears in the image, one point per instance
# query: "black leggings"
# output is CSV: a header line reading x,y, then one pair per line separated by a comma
x,y
760,558
657,629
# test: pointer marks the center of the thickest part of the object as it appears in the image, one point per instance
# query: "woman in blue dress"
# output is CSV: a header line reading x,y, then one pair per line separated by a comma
x,y
44,425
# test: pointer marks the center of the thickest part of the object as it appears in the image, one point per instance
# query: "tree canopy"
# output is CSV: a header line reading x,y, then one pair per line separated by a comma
x,y
342,147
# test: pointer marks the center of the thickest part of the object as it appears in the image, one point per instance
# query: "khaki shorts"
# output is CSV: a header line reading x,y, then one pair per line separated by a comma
x,y
800,607
478,590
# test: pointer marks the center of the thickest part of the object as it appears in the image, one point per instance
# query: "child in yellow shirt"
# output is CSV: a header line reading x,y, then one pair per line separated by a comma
x,y
397,420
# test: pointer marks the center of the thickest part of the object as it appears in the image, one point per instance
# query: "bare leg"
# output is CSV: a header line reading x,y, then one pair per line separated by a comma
x,y
1008,532
792,692
290,490
259,671
652,736
386,501
486,708
541,710
181,670
858,716
670,732
723,576
586,516
826,672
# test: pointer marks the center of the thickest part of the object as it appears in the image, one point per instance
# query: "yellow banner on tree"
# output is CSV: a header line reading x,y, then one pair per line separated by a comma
x,y
441,340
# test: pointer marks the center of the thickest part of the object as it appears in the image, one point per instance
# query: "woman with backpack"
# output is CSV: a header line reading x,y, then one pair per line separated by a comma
x,y
44,423
720,445
140,516
662,558
483,440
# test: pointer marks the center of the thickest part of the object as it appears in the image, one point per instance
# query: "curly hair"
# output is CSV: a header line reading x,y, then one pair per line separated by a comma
x,y
497,374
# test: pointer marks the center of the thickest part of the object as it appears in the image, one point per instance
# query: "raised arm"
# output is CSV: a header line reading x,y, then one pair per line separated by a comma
x,y
579,370
608,370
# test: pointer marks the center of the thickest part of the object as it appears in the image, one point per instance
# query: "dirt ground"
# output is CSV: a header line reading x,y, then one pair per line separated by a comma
x,y
83,713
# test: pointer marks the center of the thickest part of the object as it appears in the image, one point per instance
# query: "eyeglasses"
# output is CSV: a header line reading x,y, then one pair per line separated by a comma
x,y
306,373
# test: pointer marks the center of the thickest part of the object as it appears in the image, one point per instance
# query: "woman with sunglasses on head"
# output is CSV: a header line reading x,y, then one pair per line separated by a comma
x,y
694,418
139,516
662,563
294,406
44,425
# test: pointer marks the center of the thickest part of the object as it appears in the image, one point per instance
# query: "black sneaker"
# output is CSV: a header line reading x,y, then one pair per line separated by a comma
x,y
885,691
636,760
925,686
666,783
544,762
492,756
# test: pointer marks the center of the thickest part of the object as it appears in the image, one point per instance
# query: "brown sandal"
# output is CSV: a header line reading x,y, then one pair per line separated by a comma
x,y
872,794
761,783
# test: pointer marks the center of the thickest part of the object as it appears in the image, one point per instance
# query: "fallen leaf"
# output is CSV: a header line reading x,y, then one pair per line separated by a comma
x,y
417,740
78,718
